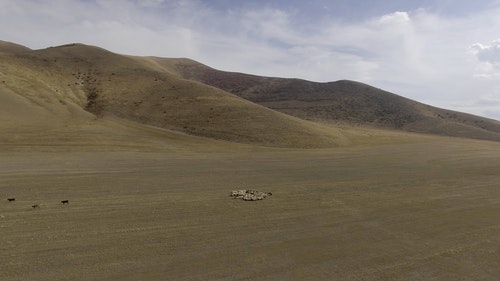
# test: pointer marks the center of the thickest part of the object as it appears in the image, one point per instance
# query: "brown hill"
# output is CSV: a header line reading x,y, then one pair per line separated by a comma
x,y
8,47
75,83
340,102
81,93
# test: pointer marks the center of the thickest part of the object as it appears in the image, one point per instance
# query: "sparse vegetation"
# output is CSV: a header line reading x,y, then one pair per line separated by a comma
x,y
149,180
347,102
427,210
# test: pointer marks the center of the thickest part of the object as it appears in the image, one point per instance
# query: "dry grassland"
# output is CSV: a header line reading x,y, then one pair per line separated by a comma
x,y
427,210
147,160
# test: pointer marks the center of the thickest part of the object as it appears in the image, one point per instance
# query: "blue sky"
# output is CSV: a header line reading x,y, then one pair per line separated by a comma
x,y
442,52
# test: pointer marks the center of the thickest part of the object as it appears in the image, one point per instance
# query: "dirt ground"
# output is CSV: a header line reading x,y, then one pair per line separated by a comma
x,y
422,211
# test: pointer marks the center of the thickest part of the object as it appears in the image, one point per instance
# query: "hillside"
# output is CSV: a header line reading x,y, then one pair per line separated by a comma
x,y
343,101
74,84
10,48
76,92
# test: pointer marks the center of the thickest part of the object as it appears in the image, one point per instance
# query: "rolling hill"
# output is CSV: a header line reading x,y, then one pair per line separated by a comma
x,y
76,83
77,92
342,101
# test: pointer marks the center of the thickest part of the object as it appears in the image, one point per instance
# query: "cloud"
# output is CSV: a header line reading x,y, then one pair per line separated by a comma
x,y
395,18
150,3
416,53
490,102
488,53
485,105
488,56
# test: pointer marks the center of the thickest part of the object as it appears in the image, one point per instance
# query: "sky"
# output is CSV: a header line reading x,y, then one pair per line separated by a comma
x,y
445,53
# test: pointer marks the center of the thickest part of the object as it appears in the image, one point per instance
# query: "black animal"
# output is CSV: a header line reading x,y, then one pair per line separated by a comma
x,y
11,199
65,201
35,206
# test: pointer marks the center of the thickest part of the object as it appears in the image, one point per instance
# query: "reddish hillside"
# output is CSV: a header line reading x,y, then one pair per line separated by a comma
x,y
340,102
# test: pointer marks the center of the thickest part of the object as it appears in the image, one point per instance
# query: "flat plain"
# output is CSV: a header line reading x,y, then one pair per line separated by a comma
x,y
422,210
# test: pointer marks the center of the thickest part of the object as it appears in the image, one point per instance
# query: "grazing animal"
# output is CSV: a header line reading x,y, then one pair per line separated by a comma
x,y
11,199
35,206
65,201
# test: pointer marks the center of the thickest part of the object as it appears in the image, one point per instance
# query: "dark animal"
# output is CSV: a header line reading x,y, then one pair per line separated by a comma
x,y
65,201
35,206
11,199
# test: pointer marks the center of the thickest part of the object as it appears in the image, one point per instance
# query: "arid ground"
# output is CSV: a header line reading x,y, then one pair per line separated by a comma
x,y
423,210
147,150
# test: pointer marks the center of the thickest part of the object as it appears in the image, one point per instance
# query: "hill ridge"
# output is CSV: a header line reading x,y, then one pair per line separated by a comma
x,y
93,80
80,81
343,101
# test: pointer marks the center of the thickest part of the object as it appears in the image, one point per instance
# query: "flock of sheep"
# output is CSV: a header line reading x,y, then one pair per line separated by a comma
x,y
249,195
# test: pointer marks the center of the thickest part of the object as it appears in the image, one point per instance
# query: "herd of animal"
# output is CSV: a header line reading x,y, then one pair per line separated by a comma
x,y
35,206
249,195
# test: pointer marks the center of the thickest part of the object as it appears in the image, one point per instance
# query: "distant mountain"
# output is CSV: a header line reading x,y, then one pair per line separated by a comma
x,y
340,102
71,85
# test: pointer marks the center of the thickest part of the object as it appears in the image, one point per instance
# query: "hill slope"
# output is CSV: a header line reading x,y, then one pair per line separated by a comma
x,y
63,92
8,47
342,101
77,82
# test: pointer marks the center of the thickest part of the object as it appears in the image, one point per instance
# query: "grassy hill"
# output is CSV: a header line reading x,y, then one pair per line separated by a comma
x,y
76,92
340,102
8,47
79,83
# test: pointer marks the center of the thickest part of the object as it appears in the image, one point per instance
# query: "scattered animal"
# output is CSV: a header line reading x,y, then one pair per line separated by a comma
x,y
11,199
35,206
65,202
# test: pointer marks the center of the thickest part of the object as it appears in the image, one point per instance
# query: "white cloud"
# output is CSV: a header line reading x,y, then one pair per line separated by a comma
x,y
488,56
415,53
395,18
488,53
